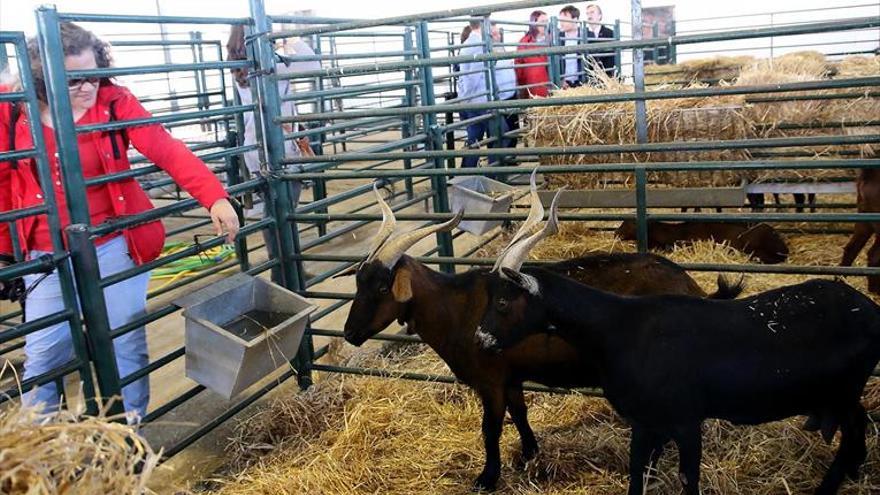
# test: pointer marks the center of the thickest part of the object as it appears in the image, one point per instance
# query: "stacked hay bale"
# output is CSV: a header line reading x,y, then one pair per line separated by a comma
x,y
688,119
712,118
713,70
768,119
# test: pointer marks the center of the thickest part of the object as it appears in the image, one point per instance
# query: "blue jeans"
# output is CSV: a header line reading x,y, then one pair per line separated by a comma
x,y
52,347
477,132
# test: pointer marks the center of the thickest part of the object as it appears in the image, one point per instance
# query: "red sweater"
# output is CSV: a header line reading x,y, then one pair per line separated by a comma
x,y
532,75
20,188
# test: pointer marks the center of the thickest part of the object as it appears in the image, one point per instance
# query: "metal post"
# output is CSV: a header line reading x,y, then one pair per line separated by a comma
x,y
85,262
202,80
319,190
4,58
497,123
553,40
65,277
618,53
166,51
434,142
278,200
639,74
408,127
641,209
673,52
657,51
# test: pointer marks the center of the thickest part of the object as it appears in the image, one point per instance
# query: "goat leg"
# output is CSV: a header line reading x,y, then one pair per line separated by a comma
x,y
850,454
874,261
858,239
493,417
516,406
689,440
642,449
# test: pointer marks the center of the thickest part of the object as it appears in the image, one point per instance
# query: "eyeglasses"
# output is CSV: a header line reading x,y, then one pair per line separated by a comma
x,y
77,83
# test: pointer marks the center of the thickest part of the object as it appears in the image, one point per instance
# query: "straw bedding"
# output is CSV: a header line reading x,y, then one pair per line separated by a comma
x,y
66,453
713,118
359,435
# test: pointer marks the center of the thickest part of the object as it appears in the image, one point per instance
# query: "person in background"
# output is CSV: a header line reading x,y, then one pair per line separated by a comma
x,y
597,32
237,50
95,100
532,71
505,78
572,67
473,88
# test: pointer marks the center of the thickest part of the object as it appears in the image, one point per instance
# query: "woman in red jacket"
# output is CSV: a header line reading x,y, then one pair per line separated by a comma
x,y
95,101
535,77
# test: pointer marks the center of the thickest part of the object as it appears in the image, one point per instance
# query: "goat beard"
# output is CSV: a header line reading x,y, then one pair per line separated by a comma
x,y
405,318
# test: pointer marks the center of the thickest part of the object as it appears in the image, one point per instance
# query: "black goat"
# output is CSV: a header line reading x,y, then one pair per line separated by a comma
x,y
667,363
444,311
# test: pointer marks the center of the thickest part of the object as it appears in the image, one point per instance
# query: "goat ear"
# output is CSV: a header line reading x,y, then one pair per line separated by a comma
x,y
402,287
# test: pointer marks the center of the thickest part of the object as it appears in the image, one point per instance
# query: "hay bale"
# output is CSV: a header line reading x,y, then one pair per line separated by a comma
x,y
689,119
705,70
66,453
714,118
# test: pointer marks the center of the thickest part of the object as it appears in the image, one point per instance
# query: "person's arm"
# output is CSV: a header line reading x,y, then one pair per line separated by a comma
x,y
187,170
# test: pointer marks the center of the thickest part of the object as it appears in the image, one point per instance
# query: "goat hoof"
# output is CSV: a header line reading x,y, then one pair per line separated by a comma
x,y
525,457
486,482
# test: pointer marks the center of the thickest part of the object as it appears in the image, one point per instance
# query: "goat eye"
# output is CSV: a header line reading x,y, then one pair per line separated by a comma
x,y
383,290
501,304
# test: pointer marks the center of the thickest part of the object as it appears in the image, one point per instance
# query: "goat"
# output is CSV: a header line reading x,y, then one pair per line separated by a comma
x,y
760,241
868,201
444,311
667,363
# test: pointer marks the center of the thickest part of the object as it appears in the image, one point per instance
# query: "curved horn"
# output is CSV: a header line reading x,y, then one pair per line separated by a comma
x,y
389,253
516,255
536,214
387,228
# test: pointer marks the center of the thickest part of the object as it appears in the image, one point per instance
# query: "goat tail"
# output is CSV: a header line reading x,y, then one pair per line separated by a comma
x,y
727,289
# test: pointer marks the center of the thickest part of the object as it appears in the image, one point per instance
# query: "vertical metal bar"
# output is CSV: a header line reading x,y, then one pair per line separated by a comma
x,y
657,51
639,74
4,57
91,298
233,176
204,101
166,50
408,127
435,142
65,277
673,52
553,39
279,200
618,53
497,123
319,191
641,209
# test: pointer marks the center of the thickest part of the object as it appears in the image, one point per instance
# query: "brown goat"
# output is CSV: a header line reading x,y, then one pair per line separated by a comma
x,y
444,311
760,241
868,201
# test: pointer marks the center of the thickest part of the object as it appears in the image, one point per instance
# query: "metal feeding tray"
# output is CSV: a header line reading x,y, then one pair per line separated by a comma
x,y
239,330
475,194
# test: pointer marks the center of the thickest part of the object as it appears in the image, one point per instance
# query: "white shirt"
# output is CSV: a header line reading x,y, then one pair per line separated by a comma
x,y
505,77
288,108
471,85
571,60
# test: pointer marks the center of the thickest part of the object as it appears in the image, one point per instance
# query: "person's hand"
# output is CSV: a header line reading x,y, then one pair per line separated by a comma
x,y
225,219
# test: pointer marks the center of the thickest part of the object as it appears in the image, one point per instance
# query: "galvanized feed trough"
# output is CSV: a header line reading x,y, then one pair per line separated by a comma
x,y
239,330
476,194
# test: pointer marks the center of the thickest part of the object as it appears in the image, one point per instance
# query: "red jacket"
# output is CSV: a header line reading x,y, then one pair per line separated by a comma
x,y
531,75
20,188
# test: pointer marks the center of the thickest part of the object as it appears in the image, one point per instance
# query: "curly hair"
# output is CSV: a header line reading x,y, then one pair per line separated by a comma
x,y
75,40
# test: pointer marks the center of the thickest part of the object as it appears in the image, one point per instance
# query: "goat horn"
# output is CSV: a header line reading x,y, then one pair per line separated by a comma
x,y
387,228
517,254
389,253
536,214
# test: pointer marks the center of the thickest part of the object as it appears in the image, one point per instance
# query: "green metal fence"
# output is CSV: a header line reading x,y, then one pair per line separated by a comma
x,y
381,109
